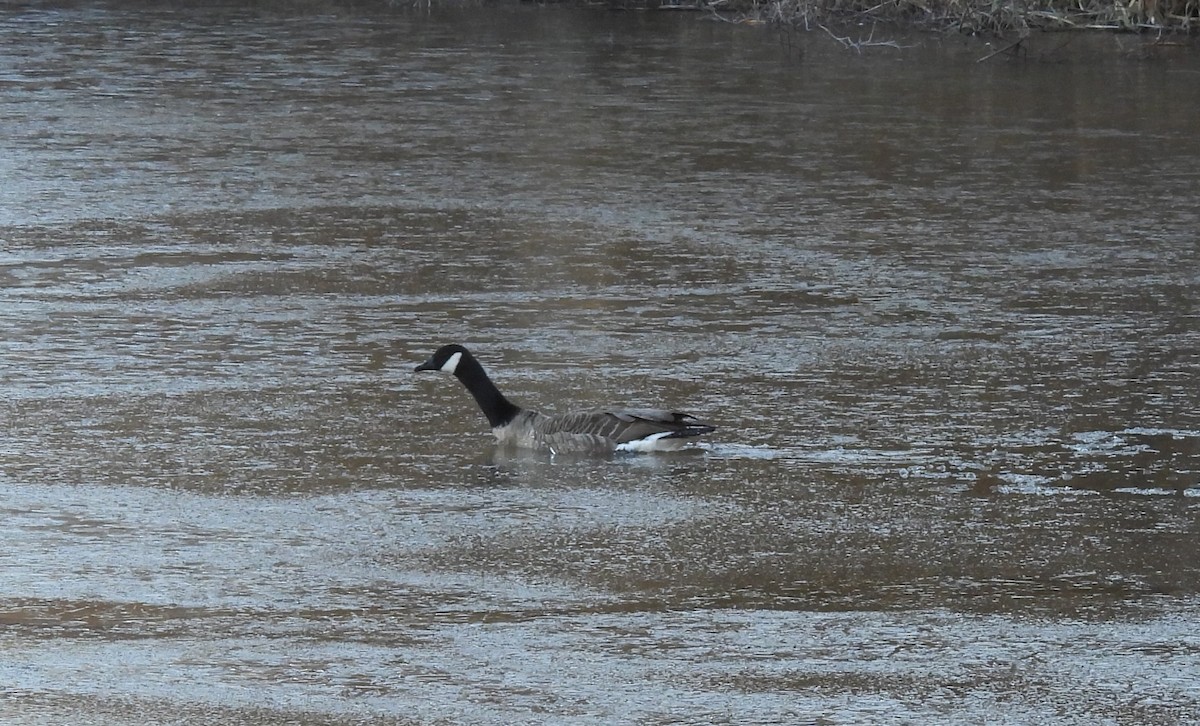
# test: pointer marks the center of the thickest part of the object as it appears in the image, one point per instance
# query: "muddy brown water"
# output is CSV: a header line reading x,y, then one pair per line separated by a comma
x,y
944,312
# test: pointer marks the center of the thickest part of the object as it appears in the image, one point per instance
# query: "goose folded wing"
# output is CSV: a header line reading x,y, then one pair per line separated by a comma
x,y
622,426
655,415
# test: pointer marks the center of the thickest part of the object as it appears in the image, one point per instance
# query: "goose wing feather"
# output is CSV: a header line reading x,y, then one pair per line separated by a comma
x,y
623,426
653,415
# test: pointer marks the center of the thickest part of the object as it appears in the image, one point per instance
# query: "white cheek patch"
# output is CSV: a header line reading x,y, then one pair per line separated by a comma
x,y
451,363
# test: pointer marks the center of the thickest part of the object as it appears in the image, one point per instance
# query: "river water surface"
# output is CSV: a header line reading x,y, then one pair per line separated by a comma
x,y
945,313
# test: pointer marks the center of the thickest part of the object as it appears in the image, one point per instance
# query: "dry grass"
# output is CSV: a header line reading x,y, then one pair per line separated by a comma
x,y
997,17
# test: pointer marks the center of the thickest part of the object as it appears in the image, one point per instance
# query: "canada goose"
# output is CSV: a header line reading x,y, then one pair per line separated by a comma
x,y
591,431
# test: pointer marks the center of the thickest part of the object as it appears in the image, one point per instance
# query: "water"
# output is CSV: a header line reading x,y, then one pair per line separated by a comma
x,y
944,312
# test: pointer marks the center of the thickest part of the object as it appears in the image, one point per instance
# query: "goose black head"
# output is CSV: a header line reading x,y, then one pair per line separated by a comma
x,y
446,359
459,362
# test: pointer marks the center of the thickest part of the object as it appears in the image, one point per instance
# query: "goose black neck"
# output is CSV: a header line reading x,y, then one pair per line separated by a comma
x,y
498,409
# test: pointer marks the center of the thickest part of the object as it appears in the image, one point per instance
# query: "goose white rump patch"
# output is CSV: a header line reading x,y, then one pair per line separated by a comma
x,y
653,442
451,363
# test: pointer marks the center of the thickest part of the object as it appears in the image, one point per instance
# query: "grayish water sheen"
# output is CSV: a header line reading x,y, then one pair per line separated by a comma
x,y
946,314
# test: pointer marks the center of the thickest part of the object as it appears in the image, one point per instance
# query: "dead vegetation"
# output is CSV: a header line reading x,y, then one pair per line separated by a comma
x,y
991,17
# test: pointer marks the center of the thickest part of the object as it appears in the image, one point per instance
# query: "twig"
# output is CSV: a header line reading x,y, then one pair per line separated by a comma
x,y
1005,49
845,41
858,45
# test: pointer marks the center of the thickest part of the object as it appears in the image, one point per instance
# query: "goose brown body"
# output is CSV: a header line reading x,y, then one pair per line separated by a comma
x,y
635,429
